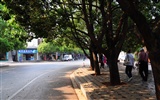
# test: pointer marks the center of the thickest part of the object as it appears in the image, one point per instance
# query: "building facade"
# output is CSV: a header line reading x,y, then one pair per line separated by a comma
x,y
28,54
31,52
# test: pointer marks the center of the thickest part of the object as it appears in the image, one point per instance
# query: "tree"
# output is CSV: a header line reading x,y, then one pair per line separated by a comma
x,y
149,29
58,45
37,17
13,37
104,35
95,15
132,40
5,45
46,48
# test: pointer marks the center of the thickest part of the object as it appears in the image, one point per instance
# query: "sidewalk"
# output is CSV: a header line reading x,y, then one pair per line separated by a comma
x,y
5,63
8,63
94,88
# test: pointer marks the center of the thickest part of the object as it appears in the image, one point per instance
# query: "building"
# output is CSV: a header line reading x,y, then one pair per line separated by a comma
x,y
31,52
28,54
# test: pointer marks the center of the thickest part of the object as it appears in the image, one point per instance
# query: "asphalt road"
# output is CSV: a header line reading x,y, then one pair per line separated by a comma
x,y
38,81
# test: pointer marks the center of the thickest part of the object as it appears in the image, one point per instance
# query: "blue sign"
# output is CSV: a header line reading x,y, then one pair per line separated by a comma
x,y
27,51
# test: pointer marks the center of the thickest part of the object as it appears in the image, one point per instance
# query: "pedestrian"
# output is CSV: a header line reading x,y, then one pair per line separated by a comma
x,y
143,64
101,61
105,60
129,63
84,57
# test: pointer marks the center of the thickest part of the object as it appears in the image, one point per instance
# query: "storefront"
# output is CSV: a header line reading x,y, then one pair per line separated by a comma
x,y
27,55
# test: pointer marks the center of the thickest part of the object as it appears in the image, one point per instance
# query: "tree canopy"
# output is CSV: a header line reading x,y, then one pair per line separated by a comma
x,y
90,24
59,45
13,36
103,26
148,24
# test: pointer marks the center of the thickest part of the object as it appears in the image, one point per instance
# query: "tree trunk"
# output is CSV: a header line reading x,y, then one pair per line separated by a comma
x,y
155,63
96,65
91,60
113,68
92,64
151,39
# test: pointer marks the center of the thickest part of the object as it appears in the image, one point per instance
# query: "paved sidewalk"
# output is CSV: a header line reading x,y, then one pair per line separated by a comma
x,y
93,88
5,63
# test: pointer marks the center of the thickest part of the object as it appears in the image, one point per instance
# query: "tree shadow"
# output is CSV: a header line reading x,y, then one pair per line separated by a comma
x,y
99,87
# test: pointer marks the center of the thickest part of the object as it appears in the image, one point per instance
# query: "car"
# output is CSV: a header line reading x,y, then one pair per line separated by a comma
x,y
67,58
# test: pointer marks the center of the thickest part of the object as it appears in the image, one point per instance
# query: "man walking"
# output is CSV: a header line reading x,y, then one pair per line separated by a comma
x,y
143,64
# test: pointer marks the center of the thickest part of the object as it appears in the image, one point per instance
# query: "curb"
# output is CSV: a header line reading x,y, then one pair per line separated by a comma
x,y
85,84
77,89
3,65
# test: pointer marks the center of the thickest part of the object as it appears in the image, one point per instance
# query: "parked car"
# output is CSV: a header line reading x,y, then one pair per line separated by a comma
x,y
67,58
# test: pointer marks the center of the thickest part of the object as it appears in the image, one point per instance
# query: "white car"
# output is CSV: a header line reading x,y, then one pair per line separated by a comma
x,y
67,57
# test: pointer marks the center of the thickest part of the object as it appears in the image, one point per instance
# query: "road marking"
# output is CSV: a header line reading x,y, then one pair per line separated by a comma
x,y
27,85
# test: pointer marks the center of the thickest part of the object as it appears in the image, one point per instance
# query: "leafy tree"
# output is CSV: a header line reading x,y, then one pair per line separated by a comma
x,y
147,21
5,45
90,22
94,15
133,41
58,46
94,25
106,36
13,37
47,48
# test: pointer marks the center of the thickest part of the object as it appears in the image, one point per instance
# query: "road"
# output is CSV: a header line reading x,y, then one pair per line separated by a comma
x,y
38,81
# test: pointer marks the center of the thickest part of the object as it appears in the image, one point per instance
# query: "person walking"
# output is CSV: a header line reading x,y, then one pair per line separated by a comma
x,y
105,60
101,61
143,64
129,63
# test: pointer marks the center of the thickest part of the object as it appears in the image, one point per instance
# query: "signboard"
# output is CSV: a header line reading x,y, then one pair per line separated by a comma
x,y
27,51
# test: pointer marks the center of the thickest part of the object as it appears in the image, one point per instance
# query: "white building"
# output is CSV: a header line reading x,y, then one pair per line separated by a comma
x,y
30,53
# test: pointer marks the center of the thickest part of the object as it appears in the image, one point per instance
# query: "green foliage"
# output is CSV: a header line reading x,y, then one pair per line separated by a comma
x,y
39,17
13,36
47,48
58,46
132,40
49,19
5,45
151,10
58,19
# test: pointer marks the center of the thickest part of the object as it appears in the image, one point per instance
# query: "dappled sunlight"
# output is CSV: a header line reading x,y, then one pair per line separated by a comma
x,y
99,86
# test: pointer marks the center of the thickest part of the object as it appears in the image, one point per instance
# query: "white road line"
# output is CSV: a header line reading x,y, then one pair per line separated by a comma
x,y
26,85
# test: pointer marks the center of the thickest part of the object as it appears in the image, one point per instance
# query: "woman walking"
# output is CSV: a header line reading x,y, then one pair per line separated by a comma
x,y
129,63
